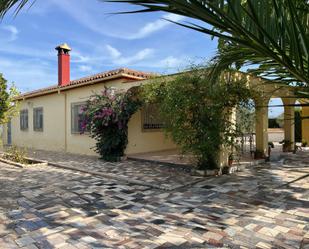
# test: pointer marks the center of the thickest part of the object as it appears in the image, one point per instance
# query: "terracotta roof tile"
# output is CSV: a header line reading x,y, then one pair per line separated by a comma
x,y
121,72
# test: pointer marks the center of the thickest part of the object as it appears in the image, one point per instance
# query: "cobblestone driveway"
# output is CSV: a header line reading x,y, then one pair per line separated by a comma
x,y
145,173
49,207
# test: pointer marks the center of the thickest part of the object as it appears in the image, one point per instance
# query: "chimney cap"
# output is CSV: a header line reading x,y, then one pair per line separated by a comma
x,y
63,46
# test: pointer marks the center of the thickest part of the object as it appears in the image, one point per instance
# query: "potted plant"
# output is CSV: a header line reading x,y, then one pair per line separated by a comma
x,y
270,146
286,144
259,155
230,160
304,143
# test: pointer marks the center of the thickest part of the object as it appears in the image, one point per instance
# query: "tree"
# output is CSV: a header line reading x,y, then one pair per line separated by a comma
x,y
8,108
245,117
4,96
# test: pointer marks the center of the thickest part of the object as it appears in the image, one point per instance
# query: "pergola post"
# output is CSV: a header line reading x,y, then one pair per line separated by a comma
x,y
305,123
289,123
225,152
261,127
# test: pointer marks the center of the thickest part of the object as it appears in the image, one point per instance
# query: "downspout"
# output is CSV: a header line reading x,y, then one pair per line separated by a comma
x,y
65,123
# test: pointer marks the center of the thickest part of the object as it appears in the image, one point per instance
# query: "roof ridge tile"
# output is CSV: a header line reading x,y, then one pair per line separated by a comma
x,y
120,72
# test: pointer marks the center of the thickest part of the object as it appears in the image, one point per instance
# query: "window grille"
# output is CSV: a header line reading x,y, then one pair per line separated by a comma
x,y
77,117
24,120
151,118
38,119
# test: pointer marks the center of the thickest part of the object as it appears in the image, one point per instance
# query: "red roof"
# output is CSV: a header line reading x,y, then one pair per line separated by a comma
x,y
96,78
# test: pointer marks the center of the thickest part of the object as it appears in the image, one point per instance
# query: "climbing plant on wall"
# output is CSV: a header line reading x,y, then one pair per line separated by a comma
x,y
197,112
106,116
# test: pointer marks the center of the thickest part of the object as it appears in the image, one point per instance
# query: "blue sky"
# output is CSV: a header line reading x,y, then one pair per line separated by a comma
x,y
100,41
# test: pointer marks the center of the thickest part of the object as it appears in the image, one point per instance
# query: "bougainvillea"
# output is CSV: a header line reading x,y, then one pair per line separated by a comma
x,y
106,116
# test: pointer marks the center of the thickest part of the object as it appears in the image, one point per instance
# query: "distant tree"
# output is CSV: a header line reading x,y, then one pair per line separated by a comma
x,y
4,96
245,117
280,120
8,107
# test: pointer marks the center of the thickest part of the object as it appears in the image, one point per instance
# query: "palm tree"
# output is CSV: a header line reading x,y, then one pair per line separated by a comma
x,y
5,5
273,35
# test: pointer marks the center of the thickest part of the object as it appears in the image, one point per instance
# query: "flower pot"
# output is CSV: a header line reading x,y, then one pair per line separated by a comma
x,y
259,155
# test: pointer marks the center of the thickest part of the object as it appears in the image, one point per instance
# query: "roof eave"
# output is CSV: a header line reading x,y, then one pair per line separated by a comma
x,y
69,87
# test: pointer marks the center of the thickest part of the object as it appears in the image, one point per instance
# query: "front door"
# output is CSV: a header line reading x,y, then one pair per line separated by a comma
x,y
9,133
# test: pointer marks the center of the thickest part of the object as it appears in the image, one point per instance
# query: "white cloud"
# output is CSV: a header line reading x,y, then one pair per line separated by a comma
x,y
28,74
113,27
114,53
141,55
117,58
40,8
77,57
155,26
11,32
85,68
171,62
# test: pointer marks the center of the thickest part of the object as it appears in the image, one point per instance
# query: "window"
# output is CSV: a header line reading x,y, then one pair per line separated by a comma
x,y
151,118
77,117
23,120
38,119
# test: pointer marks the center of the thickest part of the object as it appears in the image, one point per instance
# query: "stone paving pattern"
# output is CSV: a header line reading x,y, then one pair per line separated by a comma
x,y
48,207
152,174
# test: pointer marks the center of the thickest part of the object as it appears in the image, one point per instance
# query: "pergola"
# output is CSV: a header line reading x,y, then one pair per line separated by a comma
x,y
267,90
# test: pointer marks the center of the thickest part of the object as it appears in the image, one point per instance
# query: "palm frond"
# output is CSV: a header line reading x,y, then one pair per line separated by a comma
x,y
6,5
273,34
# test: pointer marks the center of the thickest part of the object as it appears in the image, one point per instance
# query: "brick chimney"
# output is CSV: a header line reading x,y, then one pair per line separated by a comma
x,y
63,64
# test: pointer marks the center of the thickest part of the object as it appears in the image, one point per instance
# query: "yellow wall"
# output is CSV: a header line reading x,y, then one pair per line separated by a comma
x,y
57,135
145,141
52,137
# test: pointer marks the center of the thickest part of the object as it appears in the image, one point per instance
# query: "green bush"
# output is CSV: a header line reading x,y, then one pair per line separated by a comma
x,y
15,154
197,112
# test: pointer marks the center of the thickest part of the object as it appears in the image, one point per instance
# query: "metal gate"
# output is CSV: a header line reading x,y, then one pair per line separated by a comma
x,y
247,144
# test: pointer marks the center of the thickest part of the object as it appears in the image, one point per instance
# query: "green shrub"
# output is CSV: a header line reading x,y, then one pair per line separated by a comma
x,y
304,143
15,154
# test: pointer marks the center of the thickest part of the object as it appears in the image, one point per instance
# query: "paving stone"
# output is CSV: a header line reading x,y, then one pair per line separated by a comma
x,y
49,207
24,241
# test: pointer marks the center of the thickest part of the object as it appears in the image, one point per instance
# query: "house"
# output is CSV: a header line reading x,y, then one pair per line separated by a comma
x,y
49,118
